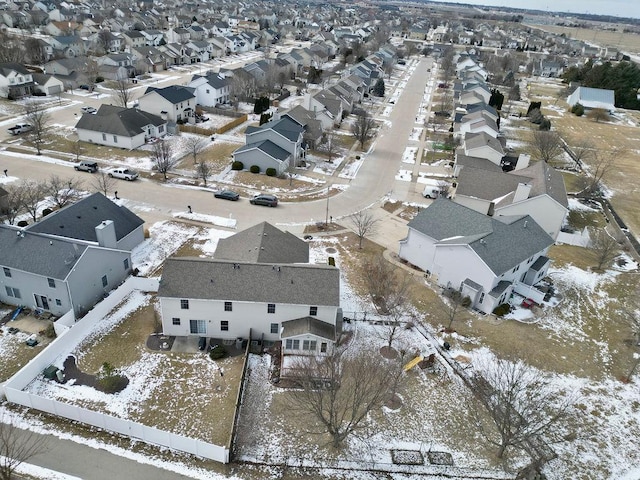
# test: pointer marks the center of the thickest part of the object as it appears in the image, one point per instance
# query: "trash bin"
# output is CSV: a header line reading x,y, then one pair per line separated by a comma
x,y
446,345
50,372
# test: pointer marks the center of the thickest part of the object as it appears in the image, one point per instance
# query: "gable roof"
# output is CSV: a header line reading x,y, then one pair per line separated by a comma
x,y
546,180
263,243
284,126
39,254
500,242
487,184
197,278
598,95
308,325
127,122
268,147
173,93
7,67
79,220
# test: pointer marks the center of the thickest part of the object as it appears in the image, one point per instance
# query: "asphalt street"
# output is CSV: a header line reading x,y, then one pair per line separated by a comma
x,y
157,201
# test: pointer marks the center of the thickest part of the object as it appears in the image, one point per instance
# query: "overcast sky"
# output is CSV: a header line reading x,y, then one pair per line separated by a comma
x,y
620,8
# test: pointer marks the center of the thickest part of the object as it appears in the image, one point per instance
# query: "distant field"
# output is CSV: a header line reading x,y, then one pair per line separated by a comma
x,y
623,41
622,132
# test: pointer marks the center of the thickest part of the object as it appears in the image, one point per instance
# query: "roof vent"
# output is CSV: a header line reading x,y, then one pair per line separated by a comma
x,y
482,242
525,223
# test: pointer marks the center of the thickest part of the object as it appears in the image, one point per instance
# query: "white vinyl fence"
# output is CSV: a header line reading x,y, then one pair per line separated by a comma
x,y
62,346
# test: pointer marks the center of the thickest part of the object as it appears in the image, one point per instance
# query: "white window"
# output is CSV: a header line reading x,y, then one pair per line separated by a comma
x,y
275,327
309,345
292,344
198,327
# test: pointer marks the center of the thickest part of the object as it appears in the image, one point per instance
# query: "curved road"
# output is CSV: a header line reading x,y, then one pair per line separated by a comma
x,y
374,180
156,201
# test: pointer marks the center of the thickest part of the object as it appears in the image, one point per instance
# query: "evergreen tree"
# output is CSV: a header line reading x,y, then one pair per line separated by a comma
x,y
379,88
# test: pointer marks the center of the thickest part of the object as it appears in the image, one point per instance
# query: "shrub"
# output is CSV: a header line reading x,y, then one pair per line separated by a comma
x,y
502,310
110,380
49,332
545,124
217,352
46,212
332,261
99,79
271,172
237,165
23,223
254,169
577,110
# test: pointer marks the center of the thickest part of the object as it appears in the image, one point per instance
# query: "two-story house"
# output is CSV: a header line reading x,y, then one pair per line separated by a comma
x,y
15,80
485,258
211,89
276,144
175,103
264,295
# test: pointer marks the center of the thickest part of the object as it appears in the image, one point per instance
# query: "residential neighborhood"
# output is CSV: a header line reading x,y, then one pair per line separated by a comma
x,y
443,282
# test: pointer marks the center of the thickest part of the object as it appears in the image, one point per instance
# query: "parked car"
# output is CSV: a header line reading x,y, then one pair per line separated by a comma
x,y
227,195
265,200
32,341
88,110
123,173
86,87
20,128
87,166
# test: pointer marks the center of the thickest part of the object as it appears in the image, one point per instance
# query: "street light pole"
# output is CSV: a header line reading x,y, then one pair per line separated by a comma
x,y
326,218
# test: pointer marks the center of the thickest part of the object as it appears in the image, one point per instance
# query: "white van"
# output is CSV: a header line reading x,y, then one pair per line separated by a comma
x,y
434,188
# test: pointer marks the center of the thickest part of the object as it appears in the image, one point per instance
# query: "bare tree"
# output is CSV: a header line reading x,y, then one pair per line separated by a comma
x,y
35,51
605,248
13,204
194,144
583,149
340,391
454,304
329,145
37,115
364,224
91,71
103,183
17,446
103,41
362,129
546,146
77,149
204,170
598,115
122,92
388,288
522,405
11,50
162,157
602,164
62,191
32,195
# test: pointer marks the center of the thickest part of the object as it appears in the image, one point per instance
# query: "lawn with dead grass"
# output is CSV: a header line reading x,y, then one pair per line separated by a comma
x,y
626,41
622,132
165,386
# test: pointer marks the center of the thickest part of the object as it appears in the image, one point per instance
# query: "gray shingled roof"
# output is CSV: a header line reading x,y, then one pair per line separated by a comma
x,y
478,140
173,93
547,180
475,162
80,219
305,325
285,127
487,184
501,242
268,147
38,254
263,243
185,277
126,122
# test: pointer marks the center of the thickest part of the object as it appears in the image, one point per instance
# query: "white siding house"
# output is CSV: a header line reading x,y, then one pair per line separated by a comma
x,y
230,300
486,258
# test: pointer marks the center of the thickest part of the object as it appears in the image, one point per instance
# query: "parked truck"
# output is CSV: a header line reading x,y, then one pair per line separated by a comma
x,y
435,188
20,128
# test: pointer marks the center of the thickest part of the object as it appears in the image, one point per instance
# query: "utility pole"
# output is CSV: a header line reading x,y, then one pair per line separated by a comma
x,y
326,218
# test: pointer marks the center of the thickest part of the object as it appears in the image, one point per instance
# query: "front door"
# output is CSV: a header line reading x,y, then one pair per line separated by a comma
x,y
42,302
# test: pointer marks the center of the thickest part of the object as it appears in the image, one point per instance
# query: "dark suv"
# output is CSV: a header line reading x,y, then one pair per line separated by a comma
x,y
264,199
91,167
